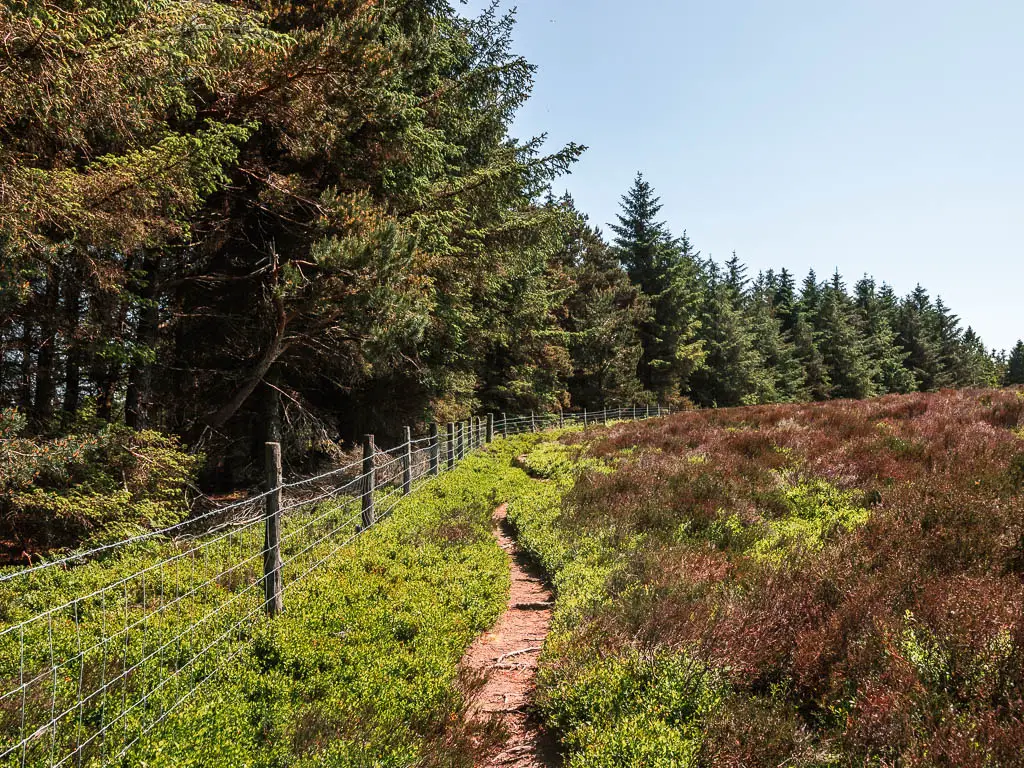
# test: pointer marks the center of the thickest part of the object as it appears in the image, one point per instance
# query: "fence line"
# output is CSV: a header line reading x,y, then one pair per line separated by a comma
x,y
97,651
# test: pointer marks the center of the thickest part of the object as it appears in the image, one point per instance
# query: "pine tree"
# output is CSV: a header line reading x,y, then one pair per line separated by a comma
x,y
888,371
1015,365
734,370
842,345
817,383
952,363
981,366
666,271
810,295
736,279
916,333
784,379
785,299
602,315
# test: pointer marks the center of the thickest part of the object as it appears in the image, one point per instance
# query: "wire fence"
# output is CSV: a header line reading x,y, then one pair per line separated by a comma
x,y
99,647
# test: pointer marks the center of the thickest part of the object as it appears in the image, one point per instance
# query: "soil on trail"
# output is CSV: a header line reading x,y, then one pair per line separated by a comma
x,y
508,655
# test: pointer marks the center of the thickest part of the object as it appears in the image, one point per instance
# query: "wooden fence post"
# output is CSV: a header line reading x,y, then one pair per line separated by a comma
x,y
504,424
369,481
490,427
533,421
435,448
462,440
449,445
272,581
407,463
584,418
561,418
647,412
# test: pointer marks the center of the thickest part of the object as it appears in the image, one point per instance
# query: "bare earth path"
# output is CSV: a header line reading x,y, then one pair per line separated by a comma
x,y
508,655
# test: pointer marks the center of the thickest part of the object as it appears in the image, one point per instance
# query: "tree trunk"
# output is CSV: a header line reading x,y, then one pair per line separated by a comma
x,y
73,362
45,387
140,375
27,341
271,413
273,351
111,317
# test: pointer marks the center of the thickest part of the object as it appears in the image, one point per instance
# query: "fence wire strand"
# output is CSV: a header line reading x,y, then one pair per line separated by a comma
x,y
84,678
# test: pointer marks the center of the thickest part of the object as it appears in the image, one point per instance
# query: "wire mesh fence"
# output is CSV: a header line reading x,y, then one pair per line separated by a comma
x,y
99,647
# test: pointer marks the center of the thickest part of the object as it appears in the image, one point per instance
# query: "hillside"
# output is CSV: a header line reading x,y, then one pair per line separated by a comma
x,y
336,431
829,584
823,584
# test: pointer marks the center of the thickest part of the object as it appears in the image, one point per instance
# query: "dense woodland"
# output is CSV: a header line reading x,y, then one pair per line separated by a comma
x,y
229,221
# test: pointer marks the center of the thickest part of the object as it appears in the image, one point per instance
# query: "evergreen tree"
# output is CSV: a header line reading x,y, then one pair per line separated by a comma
x,y
916,334
842,346
952,362
784,380
734,370
666,271
888,371
810,295
602,317
816,383
785,300
982,367
1015,365
888,304
736,279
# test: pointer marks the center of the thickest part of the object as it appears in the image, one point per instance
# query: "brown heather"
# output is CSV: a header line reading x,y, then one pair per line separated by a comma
x,y
900,642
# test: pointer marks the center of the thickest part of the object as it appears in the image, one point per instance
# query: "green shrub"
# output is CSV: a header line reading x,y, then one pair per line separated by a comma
x,y
817,511
89,489
625,708
361,669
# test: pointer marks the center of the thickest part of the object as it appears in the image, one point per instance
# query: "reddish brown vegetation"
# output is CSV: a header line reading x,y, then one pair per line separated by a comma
x,y
900,641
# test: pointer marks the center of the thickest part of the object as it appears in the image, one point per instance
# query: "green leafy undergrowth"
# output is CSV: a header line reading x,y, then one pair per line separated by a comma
x,y
361,669
88,489
552,460
804,516
610,707
631,708
613,691
816,511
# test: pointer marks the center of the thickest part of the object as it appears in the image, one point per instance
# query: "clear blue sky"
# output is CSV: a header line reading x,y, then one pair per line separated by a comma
x,y
878,136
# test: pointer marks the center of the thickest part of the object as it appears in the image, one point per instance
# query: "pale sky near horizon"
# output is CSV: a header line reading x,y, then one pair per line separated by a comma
x,y
873,137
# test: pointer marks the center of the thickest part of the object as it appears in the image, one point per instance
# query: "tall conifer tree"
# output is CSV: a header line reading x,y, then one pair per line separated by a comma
x,y
666,270
1015,365
784,380
888,371
916,334
841,344
734,371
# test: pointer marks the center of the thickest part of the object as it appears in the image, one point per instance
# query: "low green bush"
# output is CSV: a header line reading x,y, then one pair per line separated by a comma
x,y
88,489
615,692
623,707
361,669
817,512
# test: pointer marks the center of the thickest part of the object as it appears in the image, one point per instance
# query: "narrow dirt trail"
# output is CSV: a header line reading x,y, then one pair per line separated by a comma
x,y
508,656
